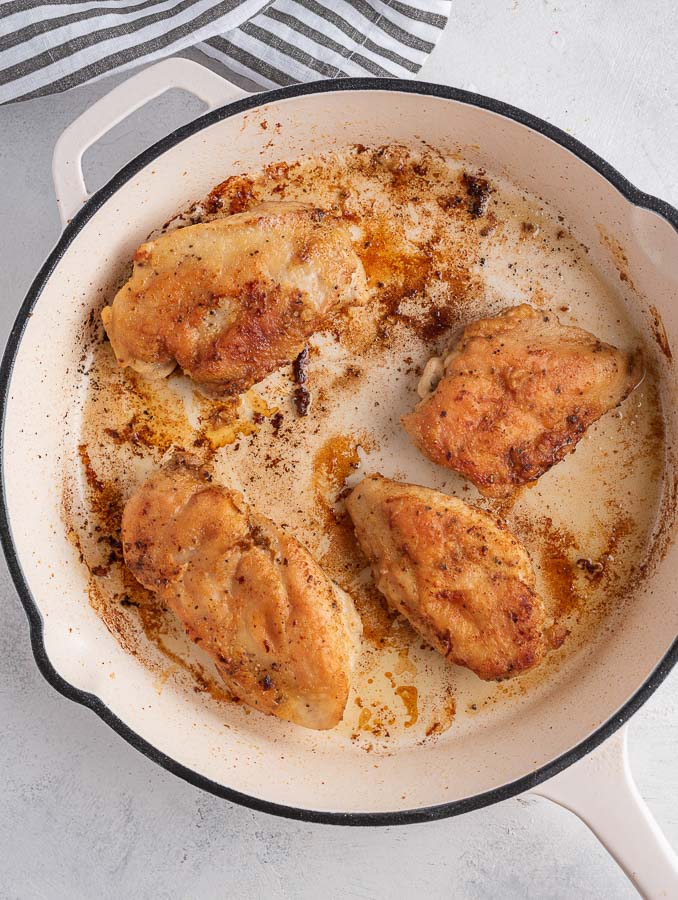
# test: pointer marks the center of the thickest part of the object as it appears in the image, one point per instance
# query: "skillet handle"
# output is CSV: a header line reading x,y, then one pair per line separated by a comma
x,y
175,72
600,790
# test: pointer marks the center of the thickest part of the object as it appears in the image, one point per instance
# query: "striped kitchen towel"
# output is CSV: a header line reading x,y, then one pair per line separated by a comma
x,y
48,46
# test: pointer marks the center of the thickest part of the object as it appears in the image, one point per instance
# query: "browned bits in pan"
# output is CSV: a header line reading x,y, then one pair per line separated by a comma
x,y
426,282
478,190
302,398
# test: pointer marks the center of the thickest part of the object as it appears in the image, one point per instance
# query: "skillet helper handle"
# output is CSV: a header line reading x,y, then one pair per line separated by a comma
x,y
176,72
600,790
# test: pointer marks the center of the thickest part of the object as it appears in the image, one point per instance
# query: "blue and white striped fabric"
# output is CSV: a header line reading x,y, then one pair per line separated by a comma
x,y
46,47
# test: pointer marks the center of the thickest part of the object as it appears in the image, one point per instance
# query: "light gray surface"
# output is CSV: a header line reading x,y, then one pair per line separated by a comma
x,y
82,814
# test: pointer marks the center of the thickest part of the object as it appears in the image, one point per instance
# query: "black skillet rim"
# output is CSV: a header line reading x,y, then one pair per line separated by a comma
x,y
91,701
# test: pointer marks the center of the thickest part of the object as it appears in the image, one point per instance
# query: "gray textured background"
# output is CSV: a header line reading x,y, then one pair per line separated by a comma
x,y
82,814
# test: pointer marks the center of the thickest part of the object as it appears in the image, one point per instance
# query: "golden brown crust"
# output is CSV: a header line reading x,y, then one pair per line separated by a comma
x,y
233,299
284,638
461,578
518,393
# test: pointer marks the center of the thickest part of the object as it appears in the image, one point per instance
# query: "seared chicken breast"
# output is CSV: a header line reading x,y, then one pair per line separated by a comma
x,y
284,637
461,578
233,299
516,394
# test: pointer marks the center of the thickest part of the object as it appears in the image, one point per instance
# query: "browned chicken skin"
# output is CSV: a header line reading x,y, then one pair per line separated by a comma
x,y
461,578
284,637
517,393
233,299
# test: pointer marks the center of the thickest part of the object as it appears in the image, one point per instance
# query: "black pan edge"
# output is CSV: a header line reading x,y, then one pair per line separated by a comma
x,y
404,817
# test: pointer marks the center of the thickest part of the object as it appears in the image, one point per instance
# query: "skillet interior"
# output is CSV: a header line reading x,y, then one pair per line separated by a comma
x,y
539,727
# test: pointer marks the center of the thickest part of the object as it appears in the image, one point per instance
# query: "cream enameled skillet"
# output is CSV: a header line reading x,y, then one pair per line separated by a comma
x,y
544,746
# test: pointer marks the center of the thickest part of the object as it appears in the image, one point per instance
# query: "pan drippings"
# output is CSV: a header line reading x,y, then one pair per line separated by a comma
x,y
441,246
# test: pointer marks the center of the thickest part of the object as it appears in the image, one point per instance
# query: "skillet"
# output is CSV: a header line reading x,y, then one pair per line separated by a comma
x,y
292,773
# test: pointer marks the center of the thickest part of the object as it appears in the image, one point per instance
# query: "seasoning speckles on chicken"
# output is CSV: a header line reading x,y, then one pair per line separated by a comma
x,y
233,299
284,638
462,579
516,395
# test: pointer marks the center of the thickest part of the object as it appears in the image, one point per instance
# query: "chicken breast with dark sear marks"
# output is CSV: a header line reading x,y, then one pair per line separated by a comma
x,y
233,299
284,637
516,395
461,578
